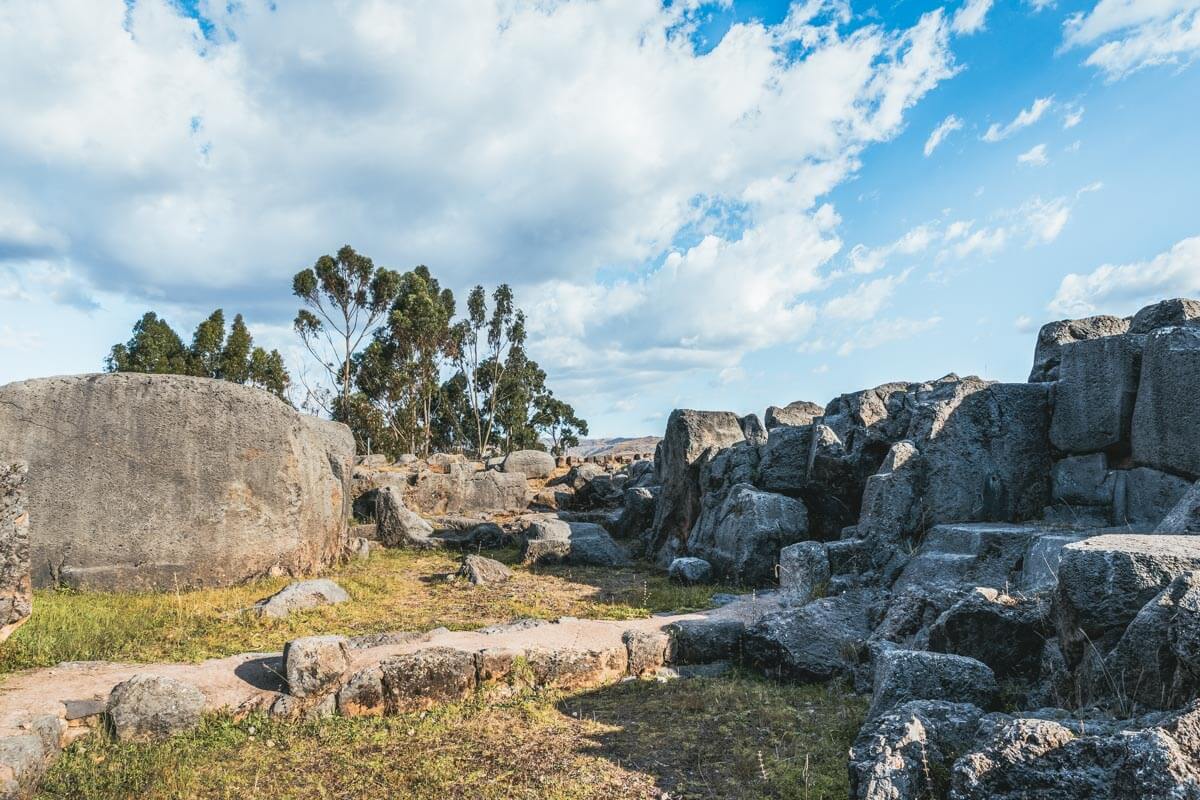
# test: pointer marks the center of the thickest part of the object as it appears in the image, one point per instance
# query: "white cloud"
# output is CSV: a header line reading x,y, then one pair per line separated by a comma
x,y
865,260
1024,119
1025,324
1046,220
1122,289
983,242
866,300
1073,117
1034,156
1040,5
1129,35
886,331
945,128
972,17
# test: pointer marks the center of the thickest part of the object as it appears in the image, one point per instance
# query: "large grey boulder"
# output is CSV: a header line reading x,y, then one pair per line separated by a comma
x,y
1082,481
803,571
743,535
462,491
396,525
16,595
904,675
800,412
906,752
148,708
690,570
784,464
1054,335
1104,581
315,664
1149,496
420,680
824,639
162,481
551,541
1184,517
637,512
1166,418
301,596
1095,394
1164,314
1007,633
753,429
1038,758
691,439
530,463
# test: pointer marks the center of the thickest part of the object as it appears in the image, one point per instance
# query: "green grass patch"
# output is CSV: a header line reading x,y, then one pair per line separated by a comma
x,y
394,590
734,736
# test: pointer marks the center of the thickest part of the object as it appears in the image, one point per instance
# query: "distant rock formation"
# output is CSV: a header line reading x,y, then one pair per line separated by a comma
x,y
164,481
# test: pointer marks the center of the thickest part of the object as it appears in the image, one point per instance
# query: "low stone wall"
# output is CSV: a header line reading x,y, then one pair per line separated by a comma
x,y
16,598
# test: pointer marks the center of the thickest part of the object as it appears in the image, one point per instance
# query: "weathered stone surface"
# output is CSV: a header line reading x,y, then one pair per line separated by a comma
x,y
462,492
743,535
824,639
300,596
800,412
690,570
702,641
315,664
1104,581
803,571
1035,758
753,429
691,439
784,464
480,570
1150,496
397,526
904,675
363,694
1094,397
1166,418
647,651
1164,314
576,668
16,594
149,708
912,610
1185,516
161,481
1006,633
530,463
1054,335
1082,481
421,680
637,515
549,541
907,753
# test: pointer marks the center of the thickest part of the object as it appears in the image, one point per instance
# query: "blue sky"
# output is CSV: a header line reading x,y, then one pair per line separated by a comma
x,y
718,205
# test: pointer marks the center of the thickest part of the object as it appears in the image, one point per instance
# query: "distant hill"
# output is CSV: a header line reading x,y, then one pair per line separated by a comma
x,y
621,445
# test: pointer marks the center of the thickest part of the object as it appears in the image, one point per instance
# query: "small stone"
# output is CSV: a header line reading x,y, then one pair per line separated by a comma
x,y
689,570
148,708
315,664
301,596
480,570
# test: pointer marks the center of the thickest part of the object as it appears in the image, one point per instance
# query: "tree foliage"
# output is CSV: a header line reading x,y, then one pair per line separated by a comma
x,y
156,348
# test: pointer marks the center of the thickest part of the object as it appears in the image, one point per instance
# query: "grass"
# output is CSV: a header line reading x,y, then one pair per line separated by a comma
x,y
394,590
734,736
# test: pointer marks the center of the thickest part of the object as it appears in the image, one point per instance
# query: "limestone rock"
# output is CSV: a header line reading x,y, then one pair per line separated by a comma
x,y
1164,314
1150,496
1094,397
824,639
637,515
530,463
301,596
397,526
800,412
420,680
691,439
1082,481
1166,418
803,571
1104,581
742,536
160,481
690,570
464,492
1054,335
549,541
703,641
363,694
904,675
907,752
753,430
784,465
315,664
1184,517
647,650
480,570
148,708
16,594
1006,633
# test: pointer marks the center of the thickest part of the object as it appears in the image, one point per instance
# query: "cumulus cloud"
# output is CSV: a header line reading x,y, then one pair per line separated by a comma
x,y
1034,156
865,260
996,132
1072,117
885,331
946,127
1129,35
1125,288
972,17
584,151
865,301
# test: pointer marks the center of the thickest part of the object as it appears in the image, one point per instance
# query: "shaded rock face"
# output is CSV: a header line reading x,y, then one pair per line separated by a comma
x,y
904,675
742,536
1166,419
16,594
158,481
1006,633
1184,516
1053,335
690,570
691,439
824,639
1094,398
396,525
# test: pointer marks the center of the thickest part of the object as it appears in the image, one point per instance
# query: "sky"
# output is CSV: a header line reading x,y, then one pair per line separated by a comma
x,y
722,205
